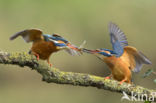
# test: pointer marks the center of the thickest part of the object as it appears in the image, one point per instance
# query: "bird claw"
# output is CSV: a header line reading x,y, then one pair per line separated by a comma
x,y
122,82
50,64
107,77
37,57
35,54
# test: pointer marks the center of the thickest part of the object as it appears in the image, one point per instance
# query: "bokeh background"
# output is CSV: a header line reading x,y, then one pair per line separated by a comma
x,y
76,20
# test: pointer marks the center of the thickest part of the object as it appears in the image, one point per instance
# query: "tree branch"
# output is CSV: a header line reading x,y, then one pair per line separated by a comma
x,y
53,75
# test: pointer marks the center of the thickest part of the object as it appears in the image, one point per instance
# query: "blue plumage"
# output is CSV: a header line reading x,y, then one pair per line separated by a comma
x,y
105,54
118,39
118,49
46,37
111,51
62,43
55,38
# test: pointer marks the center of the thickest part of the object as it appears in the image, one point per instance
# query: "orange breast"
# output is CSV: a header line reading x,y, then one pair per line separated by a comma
x,y
119,68
44,49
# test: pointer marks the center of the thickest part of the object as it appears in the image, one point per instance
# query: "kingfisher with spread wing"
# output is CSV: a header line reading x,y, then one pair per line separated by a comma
x,y
123,58
44,45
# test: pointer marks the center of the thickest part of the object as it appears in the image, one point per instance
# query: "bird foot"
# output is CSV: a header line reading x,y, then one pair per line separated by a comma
x,y
50,64
37,57
108,77
122,81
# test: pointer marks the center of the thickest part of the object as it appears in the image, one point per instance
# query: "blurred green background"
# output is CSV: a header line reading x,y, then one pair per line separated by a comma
x,y
76,20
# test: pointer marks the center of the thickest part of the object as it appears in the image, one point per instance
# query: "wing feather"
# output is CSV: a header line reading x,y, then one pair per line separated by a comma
x,y
135,58
18,34
28,34
118,39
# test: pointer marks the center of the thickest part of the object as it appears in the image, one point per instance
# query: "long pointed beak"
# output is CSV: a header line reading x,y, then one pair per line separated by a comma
x,y
89,51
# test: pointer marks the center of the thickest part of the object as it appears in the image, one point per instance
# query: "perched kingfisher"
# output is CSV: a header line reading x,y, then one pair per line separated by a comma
x,y
123,58
44,45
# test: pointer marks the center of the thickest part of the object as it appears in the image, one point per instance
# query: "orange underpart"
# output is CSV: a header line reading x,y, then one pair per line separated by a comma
x,y
44,49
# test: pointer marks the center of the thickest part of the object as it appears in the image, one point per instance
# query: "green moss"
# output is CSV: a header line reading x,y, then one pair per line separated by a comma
x,y
55,75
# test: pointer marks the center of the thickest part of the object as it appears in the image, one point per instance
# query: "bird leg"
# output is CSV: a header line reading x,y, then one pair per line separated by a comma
x,y
49,62
108,77
37,55
122,81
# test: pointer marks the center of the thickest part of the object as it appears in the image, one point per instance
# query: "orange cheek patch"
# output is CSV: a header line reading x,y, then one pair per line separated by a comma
x,y
107,52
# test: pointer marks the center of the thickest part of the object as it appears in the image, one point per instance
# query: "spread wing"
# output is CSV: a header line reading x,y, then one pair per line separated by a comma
x,y
134,58
118,39
28,35
62,43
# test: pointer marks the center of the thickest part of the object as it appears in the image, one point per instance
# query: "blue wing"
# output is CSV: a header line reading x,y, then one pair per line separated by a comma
x,y
118,39
57,37
54,37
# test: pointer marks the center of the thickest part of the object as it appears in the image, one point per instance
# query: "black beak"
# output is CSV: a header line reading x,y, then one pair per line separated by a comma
x,y
89,51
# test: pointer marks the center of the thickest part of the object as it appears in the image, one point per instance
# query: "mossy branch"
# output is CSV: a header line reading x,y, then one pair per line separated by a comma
x,y
53,75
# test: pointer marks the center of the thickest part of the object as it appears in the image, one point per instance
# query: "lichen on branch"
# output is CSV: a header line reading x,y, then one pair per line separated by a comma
x,y
54,75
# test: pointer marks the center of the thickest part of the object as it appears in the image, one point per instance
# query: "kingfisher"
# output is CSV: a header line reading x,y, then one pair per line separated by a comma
x,y
43,45
122,59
